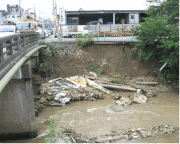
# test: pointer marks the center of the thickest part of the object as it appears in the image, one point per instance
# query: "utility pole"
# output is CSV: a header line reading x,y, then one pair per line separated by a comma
x,y
20,8
54,15
34,13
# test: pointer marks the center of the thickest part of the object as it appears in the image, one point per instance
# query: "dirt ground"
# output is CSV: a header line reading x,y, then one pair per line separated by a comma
x,y
110,59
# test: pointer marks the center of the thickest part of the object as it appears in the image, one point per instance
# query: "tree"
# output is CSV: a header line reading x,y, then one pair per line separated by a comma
x,y
159,36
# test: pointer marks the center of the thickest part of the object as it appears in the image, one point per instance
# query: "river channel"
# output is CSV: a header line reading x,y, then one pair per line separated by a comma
x,y
97,118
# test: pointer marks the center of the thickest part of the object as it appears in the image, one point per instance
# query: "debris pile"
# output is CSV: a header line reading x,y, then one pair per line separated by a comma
x,y
139,133
147,84
59,91
69,135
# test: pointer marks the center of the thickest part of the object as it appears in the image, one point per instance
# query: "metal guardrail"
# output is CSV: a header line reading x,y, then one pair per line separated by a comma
x,y
13,43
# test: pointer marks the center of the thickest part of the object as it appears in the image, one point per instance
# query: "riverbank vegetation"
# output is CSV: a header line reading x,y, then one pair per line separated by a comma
x,y
159,36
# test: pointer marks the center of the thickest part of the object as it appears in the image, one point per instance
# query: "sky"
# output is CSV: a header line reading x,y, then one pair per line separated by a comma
x,y
45,7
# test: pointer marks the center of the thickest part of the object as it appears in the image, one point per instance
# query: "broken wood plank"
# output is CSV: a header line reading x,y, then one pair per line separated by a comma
x,y
147,83
119,87
90,77
51,81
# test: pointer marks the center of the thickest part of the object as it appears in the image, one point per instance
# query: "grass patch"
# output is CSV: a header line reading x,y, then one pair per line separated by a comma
x,y
114,80
96,70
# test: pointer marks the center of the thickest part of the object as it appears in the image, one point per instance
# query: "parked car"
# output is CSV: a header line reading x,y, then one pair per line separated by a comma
x,y
47,32
6,30
94,23
41,32
51,31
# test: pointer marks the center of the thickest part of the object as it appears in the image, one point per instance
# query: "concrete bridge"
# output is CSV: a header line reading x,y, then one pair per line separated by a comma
x,y
17,117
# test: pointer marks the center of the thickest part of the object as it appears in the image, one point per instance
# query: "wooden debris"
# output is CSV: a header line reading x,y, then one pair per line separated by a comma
x,y
118,87
90,77
73,139
147,83
51,81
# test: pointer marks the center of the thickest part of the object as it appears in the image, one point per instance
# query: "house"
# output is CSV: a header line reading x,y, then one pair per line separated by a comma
x,y
83,17
13,14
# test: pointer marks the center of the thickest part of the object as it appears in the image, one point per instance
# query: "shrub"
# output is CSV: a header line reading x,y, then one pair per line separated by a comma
x,y
133,53
159,36
53,138
83,41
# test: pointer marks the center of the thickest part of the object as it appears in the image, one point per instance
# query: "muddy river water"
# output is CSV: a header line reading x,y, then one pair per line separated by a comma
x,y
97,118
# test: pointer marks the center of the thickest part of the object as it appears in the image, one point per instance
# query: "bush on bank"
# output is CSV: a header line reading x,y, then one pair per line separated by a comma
x,y
159,36
85,40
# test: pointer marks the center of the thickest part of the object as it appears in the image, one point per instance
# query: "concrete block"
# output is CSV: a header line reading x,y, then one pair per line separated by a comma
x,y
17,116
18,74
26,70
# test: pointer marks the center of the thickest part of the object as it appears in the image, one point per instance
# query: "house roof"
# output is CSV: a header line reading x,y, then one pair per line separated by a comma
x,y
3,12
104,11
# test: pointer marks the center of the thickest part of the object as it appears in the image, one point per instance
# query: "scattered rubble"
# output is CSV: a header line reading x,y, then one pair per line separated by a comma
x,y
138,133
123,101
139,98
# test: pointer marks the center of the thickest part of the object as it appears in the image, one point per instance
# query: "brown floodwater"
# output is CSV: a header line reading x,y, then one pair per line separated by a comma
x,y
96,118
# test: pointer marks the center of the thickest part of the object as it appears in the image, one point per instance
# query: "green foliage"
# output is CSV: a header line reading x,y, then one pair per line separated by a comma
x,y
41,42
159,36
96,70
161,79
83,41
47,66
112,79
133,53
54,52
121,53
53,138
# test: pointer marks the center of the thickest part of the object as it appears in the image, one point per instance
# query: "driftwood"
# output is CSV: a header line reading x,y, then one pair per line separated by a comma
x,y
147,83
118,87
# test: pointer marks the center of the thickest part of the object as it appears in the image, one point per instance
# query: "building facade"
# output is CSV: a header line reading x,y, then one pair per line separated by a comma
x,y
105,17
14,14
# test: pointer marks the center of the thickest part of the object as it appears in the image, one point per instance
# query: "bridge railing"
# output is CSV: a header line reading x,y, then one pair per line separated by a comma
x,y
13,43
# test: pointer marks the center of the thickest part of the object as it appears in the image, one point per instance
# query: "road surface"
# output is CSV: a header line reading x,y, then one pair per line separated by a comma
x,y
125,38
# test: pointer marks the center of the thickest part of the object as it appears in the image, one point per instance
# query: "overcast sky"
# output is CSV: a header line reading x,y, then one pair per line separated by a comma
x,y
46,6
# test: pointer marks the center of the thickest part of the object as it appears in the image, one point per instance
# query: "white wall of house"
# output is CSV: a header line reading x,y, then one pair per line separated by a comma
x,y
12,17
134,18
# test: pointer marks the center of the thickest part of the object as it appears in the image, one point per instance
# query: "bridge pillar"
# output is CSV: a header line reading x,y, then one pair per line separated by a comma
x,y
17,117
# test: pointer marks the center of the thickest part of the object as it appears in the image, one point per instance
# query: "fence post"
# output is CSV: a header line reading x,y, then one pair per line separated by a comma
x,y
1,52
98,36
59,37
104,36
23,40
132,37
18,48
10,47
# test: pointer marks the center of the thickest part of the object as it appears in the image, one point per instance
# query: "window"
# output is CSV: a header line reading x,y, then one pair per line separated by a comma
x,y
13,16
6,17
18,16
132,16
